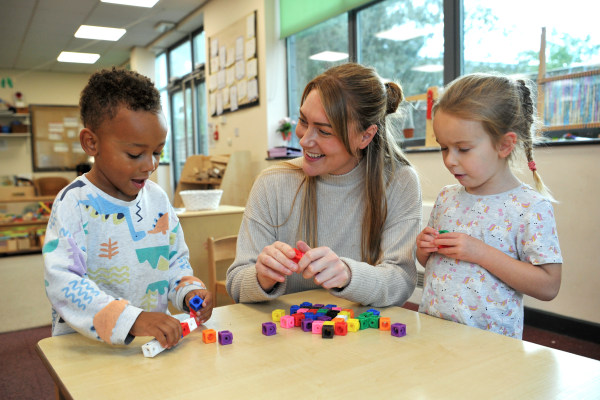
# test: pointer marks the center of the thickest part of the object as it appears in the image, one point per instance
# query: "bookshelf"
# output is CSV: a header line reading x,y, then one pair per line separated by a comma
x,y
568,101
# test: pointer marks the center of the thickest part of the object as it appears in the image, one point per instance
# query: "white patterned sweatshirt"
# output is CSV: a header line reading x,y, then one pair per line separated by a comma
x,y
107,260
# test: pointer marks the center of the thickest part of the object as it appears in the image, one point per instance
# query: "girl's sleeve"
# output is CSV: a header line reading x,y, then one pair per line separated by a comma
x,y
181,275
393,280
77,300
537,242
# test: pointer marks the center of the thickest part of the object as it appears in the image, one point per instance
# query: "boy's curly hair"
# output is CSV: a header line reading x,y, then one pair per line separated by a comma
x,y
110,89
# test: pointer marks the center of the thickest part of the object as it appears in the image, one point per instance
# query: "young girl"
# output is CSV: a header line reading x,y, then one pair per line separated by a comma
x,y
491,238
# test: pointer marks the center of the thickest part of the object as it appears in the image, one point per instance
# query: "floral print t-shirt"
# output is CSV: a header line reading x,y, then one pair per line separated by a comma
x,y
520,223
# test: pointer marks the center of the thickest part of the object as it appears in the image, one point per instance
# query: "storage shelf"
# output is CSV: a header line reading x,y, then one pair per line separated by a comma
x,y
209,181
34,199
23,223
15,135
30,250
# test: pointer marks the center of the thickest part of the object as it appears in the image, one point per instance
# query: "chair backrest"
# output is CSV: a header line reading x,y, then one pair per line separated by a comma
x,y
219,249
49,185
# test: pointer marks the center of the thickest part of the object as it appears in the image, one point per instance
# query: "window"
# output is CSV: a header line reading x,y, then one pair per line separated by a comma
x,y
420,44
310,53
182,95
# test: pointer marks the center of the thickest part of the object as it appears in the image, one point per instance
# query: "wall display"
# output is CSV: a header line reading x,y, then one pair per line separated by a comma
x,y
233,67
55,138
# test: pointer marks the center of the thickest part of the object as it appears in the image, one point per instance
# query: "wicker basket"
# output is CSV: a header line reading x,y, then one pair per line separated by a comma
x,y
195,200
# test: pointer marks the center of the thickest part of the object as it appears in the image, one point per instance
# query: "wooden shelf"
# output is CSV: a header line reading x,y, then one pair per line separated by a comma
x,y
209,181
23,223
29,199
30,250
571,126
15,135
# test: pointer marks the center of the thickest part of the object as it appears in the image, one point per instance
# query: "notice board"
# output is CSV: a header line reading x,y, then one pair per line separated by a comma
x,y
55,138
233,67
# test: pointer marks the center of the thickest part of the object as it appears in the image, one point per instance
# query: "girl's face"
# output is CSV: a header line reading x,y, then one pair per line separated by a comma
x,y
126,151
324,152
469,154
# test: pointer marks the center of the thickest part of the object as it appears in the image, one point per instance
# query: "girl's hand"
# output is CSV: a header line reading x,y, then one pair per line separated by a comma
x,y
205,312
323,266
426,240
274,264
461,246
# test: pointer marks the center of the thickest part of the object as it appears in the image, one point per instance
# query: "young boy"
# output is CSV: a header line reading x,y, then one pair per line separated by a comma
x,y
115,253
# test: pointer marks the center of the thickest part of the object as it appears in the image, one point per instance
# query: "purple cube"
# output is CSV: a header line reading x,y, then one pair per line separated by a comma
x,y
269,328
225,337
307,325
398,329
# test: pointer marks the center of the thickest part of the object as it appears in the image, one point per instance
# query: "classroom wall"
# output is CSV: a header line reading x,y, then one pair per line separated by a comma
x,y
571,174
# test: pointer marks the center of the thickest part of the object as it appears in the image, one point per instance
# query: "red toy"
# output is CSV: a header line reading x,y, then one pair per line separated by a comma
x,y
299,255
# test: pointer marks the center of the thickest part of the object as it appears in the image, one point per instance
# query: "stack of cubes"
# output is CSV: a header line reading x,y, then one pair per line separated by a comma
x,y
330,320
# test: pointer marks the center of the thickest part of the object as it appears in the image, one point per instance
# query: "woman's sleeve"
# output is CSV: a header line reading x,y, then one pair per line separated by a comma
x,y
393,280
257,230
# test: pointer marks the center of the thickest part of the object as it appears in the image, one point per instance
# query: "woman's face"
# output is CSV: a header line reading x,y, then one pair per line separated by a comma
x,y
324,152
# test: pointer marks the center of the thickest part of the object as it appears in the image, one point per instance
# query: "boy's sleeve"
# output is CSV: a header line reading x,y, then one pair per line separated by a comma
x,y
181,275
78,302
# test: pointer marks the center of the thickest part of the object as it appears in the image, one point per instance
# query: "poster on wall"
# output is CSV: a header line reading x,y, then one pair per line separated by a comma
x,y
233,67
55,138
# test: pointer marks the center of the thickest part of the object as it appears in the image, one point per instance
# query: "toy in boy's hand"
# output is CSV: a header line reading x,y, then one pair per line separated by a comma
x,y
298,256
153,347
195,305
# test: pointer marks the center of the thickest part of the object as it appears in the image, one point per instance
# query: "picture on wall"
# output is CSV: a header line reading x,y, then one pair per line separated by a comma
x,y
233,67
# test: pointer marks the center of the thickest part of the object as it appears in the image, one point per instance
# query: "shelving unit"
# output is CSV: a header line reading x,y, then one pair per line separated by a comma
x,y
29,243
7,118
543,80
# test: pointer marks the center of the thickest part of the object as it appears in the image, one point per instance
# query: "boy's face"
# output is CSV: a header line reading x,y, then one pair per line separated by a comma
x,y
126,151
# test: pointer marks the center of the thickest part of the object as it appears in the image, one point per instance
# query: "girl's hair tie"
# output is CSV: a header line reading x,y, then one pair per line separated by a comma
x,y
531,165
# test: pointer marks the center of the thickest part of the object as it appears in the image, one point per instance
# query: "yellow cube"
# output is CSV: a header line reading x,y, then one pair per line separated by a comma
x,y
277,314
353,325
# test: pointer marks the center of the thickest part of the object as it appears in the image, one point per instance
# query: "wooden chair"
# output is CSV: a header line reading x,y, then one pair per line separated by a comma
x,y
49,185
219,249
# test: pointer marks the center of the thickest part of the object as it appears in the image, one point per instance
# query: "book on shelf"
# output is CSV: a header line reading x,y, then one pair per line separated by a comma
x,y
284,151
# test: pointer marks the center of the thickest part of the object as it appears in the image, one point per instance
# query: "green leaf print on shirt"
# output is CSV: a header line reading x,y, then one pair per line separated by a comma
x,y
50,246
157,257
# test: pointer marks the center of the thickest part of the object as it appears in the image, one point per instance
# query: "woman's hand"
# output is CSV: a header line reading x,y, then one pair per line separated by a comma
x,y
274,264
323,266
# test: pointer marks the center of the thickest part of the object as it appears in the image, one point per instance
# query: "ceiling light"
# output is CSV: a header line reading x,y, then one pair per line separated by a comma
x,y
428,68
73,57
329,56
164,26
404,32
99,32
136,3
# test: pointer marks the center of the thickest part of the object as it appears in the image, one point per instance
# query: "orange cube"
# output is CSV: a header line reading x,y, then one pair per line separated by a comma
x,y
385,324
209,336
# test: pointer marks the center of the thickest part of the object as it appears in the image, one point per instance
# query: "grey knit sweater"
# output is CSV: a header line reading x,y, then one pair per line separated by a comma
x,y
340,207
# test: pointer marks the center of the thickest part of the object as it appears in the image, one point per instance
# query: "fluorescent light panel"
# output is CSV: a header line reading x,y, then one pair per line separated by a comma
x,y
99,33
329,56
74,57
135,3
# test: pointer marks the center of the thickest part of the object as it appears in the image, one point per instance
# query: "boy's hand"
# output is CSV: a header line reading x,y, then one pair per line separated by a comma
x,y
205,312
166,329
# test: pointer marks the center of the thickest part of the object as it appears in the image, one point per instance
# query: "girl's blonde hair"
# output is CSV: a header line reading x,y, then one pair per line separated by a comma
x,y
502,105
354,96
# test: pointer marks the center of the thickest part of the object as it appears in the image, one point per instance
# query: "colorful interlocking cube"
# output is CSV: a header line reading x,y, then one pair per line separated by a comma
x,y
209,336
269,328
277,314
328,331
225,337
384,324
398,329
287,321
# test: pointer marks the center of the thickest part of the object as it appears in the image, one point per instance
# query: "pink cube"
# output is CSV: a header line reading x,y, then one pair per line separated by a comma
x,y
317,327
287,321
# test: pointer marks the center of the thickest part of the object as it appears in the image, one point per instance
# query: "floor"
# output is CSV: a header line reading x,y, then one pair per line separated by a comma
x,y
23,376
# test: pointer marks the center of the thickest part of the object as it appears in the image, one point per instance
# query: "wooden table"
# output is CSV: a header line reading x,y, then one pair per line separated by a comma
x,y
437,359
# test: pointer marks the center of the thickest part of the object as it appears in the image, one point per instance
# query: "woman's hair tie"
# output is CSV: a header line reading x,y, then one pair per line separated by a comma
x,y
531,165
